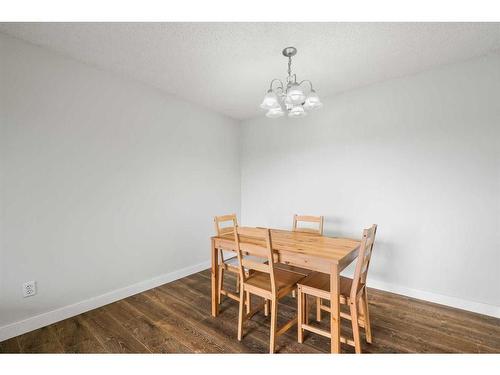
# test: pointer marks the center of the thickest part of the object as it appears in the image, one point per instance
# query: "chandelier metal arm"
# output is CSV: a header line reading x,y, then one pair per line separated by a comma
x,y
310,84
279,87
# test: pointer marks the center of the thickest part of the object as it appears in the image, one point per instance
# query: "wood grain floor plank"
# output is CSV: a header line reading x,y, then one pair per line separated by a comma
x,y
10,346
112,336
75,337
145,330
175,325
43,340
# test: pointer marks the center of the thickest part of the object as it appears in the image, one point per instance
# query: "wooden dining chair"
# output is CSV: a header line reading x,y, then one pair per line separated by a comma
x,y
308,219
265,281
297,228
227,264
352,293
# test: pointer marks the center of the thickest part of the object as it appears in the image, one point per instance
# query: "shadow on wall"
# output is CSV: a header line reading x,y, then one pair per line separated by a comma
x,y
333,222
384,259
383,262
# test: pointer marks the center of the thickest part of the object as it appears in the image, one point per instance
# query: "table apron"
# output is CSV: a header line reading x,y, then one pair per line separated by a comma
x,y
293,258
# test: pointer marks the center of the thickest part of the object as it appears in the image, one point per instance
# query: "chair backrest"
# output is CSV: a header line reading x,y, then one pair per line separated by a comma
x,y
364,256
222,230
255,242
308,219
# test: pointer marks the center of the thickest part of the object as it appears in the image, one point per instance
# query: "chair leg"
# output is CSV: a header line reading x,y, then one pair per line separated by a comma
x,y
249,302
355,327
318,309
305,302
300,315
221,280
240,314
274,322
368,328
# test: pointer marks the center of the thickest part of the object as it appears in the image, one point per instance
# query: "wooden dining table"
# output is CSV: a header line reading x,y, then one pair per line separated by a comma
x,y
311,251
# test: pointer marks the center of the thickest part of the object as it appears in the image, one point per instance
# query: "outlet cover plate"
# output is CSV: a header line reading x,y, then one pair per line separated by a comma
x,y
29,289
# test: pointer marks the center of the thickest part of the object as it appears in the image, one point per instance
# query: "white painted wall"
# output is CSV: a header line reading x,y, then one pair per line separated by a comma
x,y
105,183
103,179
420,156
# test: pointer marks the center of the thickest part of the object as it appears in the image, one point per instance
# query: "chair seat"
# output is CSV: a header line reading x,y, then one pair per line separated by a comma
x,y
287,267
321,281
232,261
284,280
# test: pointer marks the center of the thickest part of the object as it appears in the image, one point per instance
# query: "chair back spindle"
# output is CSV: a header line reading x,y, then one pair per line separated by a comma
x,y
255,242
223,230
308,219
364,256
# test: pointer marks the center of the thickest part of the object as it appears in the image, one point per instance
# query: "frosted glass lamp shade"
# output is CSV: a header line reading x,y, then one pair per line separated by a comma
x,y
312,101
275,112
296,112
295,95
270,101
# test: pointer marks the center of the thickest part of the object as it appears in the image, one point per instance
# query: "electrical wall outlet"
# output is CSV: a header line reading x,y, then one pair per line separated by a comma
x,y
29,289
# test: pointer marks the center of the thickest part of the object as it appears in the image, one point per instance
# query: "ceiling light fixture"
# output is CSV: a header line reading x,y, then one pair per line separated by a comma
x,y
291,97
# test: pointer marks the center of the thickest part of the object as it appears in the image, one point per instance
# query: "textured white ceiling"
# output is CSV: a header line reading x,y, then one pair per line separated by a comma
x,y
227,66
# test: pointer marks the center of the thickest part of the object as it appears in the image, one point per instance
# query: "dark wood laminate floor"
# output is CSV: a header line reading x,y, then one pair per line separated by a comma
x,y
175,318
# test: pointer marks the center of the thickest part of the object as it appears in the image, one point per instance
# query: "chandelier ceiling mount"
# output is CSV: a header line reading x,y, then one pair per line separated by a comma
x,y
289,51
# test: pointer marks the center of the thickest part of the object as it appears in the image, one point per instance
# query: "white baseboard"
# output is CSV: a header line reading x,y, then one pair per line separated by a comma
x,y
458,303
50,317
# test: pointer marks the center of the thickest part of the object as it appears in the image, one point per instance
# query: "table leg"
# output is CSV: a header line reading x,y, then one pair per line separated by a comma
x,y
335,309
215,279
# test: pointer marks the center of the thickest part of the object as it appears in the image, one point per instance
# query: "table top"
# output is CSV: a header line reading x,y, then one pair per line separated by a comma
x,y
332,248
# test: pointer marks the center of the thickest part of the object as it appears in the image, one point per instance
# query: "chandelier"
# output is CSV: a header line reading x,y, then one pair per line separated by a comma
x,y
290,97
